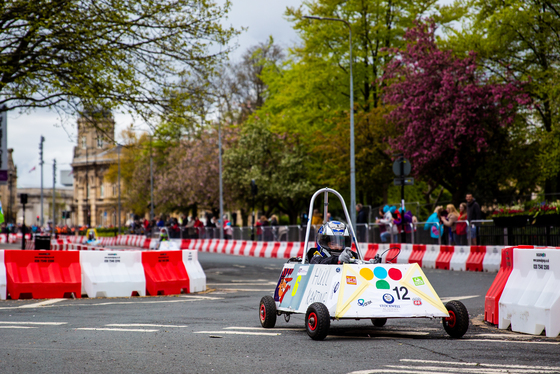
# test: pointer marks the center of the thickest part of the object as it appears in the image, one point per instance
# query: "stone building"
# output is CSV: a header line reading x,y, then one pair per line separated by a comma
x,y
8,191
95,199
64,201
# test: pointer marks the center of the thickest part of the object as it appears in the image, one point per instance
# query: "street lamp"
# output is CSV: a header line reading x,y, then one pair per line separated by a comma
x,y
352,158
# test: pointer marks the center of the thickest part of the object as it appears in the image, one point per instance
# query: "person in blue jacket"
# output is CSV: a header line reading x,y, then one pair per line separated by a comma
x,y
434,225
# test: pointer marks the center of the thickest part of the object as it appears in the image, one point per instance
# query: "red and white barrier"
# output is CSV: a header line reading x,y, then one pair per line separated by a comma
x,y
3,280
197,277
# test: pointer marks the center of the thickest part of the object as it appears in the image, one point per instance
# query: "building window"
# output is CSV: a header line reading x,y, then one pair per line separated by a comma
x,y
84,142
88,188
102,191
99,142
115,190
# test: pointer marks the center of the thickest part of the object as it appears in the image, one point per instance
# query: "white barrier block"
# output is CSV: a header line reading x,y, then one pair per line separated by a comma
x,y
404,255
281,250
492,259
197,277
3,277
530,301
459,258
229,247
112,273
169,245
430,257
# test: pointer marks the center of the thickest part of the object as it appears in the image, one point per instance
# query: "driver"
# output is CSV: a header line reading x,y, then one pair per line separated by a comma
x,y
333,244
163,235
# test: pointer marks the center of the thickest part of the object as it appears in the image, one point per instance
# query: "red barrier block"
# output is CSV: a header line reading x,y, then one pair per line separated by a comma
x,y
43,274
476,257
417,255
275,248
165,273
372,249
393,253
443,260
146,244
495,291
186,243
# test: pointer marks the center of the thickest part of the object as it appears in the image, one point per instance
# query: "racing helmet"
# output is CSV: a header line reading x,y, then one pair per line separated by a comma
x,y
332,238
163,235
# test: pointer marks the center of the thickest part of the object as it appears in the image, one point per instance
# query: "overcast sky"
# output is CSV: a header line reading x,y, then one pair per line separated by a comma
x,y
24,130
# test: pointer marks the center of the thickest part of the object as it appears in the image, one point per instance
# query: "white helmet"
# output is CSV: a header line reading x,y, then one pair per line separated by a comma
x,y
332,238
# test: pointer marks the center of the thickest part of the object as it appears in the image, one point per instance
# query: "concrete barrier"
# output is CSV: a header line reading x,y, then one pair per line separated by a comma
x,y
3,280
197,277
530,302
113,273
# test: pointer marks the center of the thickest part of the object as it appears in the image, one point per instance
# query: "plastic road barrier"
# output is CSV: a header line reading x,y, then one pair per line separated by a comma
x,y
43,274
3,280
165,273
444,258
197,278
417,255
492,258
168,246
459,259
404,255
531,298
494,293
432,253
476,258
112,273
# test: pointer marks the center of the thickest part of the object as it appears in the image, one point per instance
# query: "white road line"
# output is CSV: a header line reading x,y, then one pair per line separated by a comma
x,y
140,325
260,328
33,323
496,336
107,329
478,364
449,298
197,297
42,303
17,327
238,333
246,289
509,341
471,370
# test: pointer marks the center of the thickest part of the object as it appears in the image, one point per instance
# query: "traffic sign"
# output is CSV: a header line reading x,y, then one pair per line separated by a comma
x,y
406,167
405,181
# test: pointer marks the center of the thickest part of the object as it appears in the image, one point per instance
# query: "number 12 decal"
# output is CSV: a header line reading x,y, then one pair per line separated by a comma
x,y
405,292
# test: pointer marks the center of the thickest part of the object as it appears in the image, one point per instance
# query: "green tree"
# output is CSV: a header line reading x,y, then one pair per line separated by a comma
x,y
277,163
523,37
128,54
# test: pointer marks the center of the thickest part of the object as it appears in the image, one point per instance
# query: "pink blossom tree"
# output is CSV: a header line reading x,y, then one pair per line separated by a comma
x,y
452,120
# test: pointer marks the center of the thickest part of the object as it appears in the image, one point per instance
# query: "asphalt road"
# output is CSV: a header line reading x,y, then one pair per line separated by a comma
x,y
219,331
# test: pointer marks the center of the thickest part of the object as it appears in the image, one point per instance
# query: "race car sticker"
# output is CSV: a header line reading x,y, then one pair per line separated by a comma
x,y
298,285
282,287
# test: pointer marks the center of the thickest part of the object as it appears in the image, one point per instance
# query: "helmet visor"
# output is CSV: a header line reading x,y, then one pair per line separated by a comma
x,y
335,243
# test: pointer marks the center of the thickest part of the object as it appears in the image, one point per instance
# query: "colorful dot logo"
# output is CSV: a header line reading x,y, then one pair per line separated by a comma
x,y
382,273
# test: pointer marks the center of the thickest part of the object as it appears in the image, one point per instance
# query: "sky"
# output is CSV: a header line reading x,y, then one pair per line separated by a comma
x,y
25,130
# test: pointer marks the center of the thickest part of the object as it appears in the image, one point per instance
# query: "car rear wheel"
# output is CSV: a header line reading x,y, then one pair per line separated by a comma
x,y
379,322
267,312
317,321
457,324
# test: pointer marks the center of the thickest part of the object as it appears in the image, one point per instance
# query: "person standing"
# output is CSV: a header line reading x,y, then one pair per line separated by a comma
x,y
473,214
451,222
361,222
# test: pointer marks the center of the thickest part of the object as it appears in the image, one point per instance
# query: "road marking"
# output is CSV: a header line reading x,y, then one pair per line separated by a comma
x,y
516,336
446,299
510,341
140,325
196,297
246,290
33,323
445,367
108,329
42,303
261,328
238,333
17,327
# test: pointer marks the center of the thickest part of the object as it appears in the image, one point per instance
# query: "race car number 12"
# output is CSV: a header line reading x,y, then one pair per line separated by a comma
x,y
405,292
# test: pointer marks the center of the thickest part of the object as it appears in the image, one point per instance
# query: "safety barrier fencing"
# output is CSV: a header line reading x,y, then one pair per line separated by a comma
x,y
526,291
111,273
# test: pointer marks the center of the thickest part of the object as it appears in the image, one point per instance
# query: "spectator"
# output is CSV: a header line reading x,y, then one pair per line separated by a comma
x,y
317,219
451,222
274,228
361,222
210,226
329,218
473,214
461,229
389,221
198,227
160,223
433,224
266,231
382,228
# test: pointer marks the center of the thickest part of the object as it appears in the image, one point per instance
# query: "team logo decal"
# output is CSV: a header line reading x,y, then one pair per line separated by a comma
x,y
388,298
417,301
350,279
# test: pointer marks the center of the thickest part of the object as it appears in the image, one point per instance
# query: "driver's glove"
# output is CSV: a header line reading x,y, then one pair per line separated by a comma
x,y
345,256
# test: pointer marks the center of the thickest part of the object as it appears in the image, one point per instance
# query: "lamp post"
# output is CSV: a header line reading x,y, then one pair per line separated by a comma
x,y
352,158
119,190
221,220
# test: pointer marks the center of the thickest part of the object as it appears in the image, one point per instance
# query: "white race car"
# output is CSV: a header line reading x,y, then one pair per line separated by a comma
x,y
357,290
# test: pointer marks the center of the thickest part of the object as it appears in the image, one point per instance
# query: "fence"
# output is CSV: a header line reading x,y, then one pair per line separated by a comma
x,y
482,232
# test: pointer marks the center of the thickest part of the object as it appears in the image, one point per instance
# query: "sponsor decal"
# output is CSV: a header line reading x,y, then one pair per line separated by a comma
x,y
303,270
388,298
361,302
541,254
338,270
283,287
350,279
417,301
418,281
541,267
336,287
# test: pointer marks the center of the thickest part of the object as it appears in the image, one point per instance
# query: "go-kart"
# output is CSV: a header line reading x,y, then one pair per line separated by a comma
x,y
164,244
92,238
357,290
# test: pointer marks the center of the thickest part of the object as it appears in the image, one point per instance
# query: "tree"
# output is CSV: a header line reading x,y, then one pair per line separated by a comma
x,y
131,54
522,37
457,128
277,163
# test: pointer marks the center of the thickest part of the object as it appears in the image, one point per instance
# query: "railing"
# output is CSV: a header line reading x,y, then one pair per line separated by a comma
x,y
480,232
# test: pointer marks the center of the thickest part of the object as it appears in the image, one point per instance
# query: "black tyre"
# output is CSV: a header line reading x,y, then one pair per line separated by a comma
x,y
317,321
267,312
457,324
379,322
